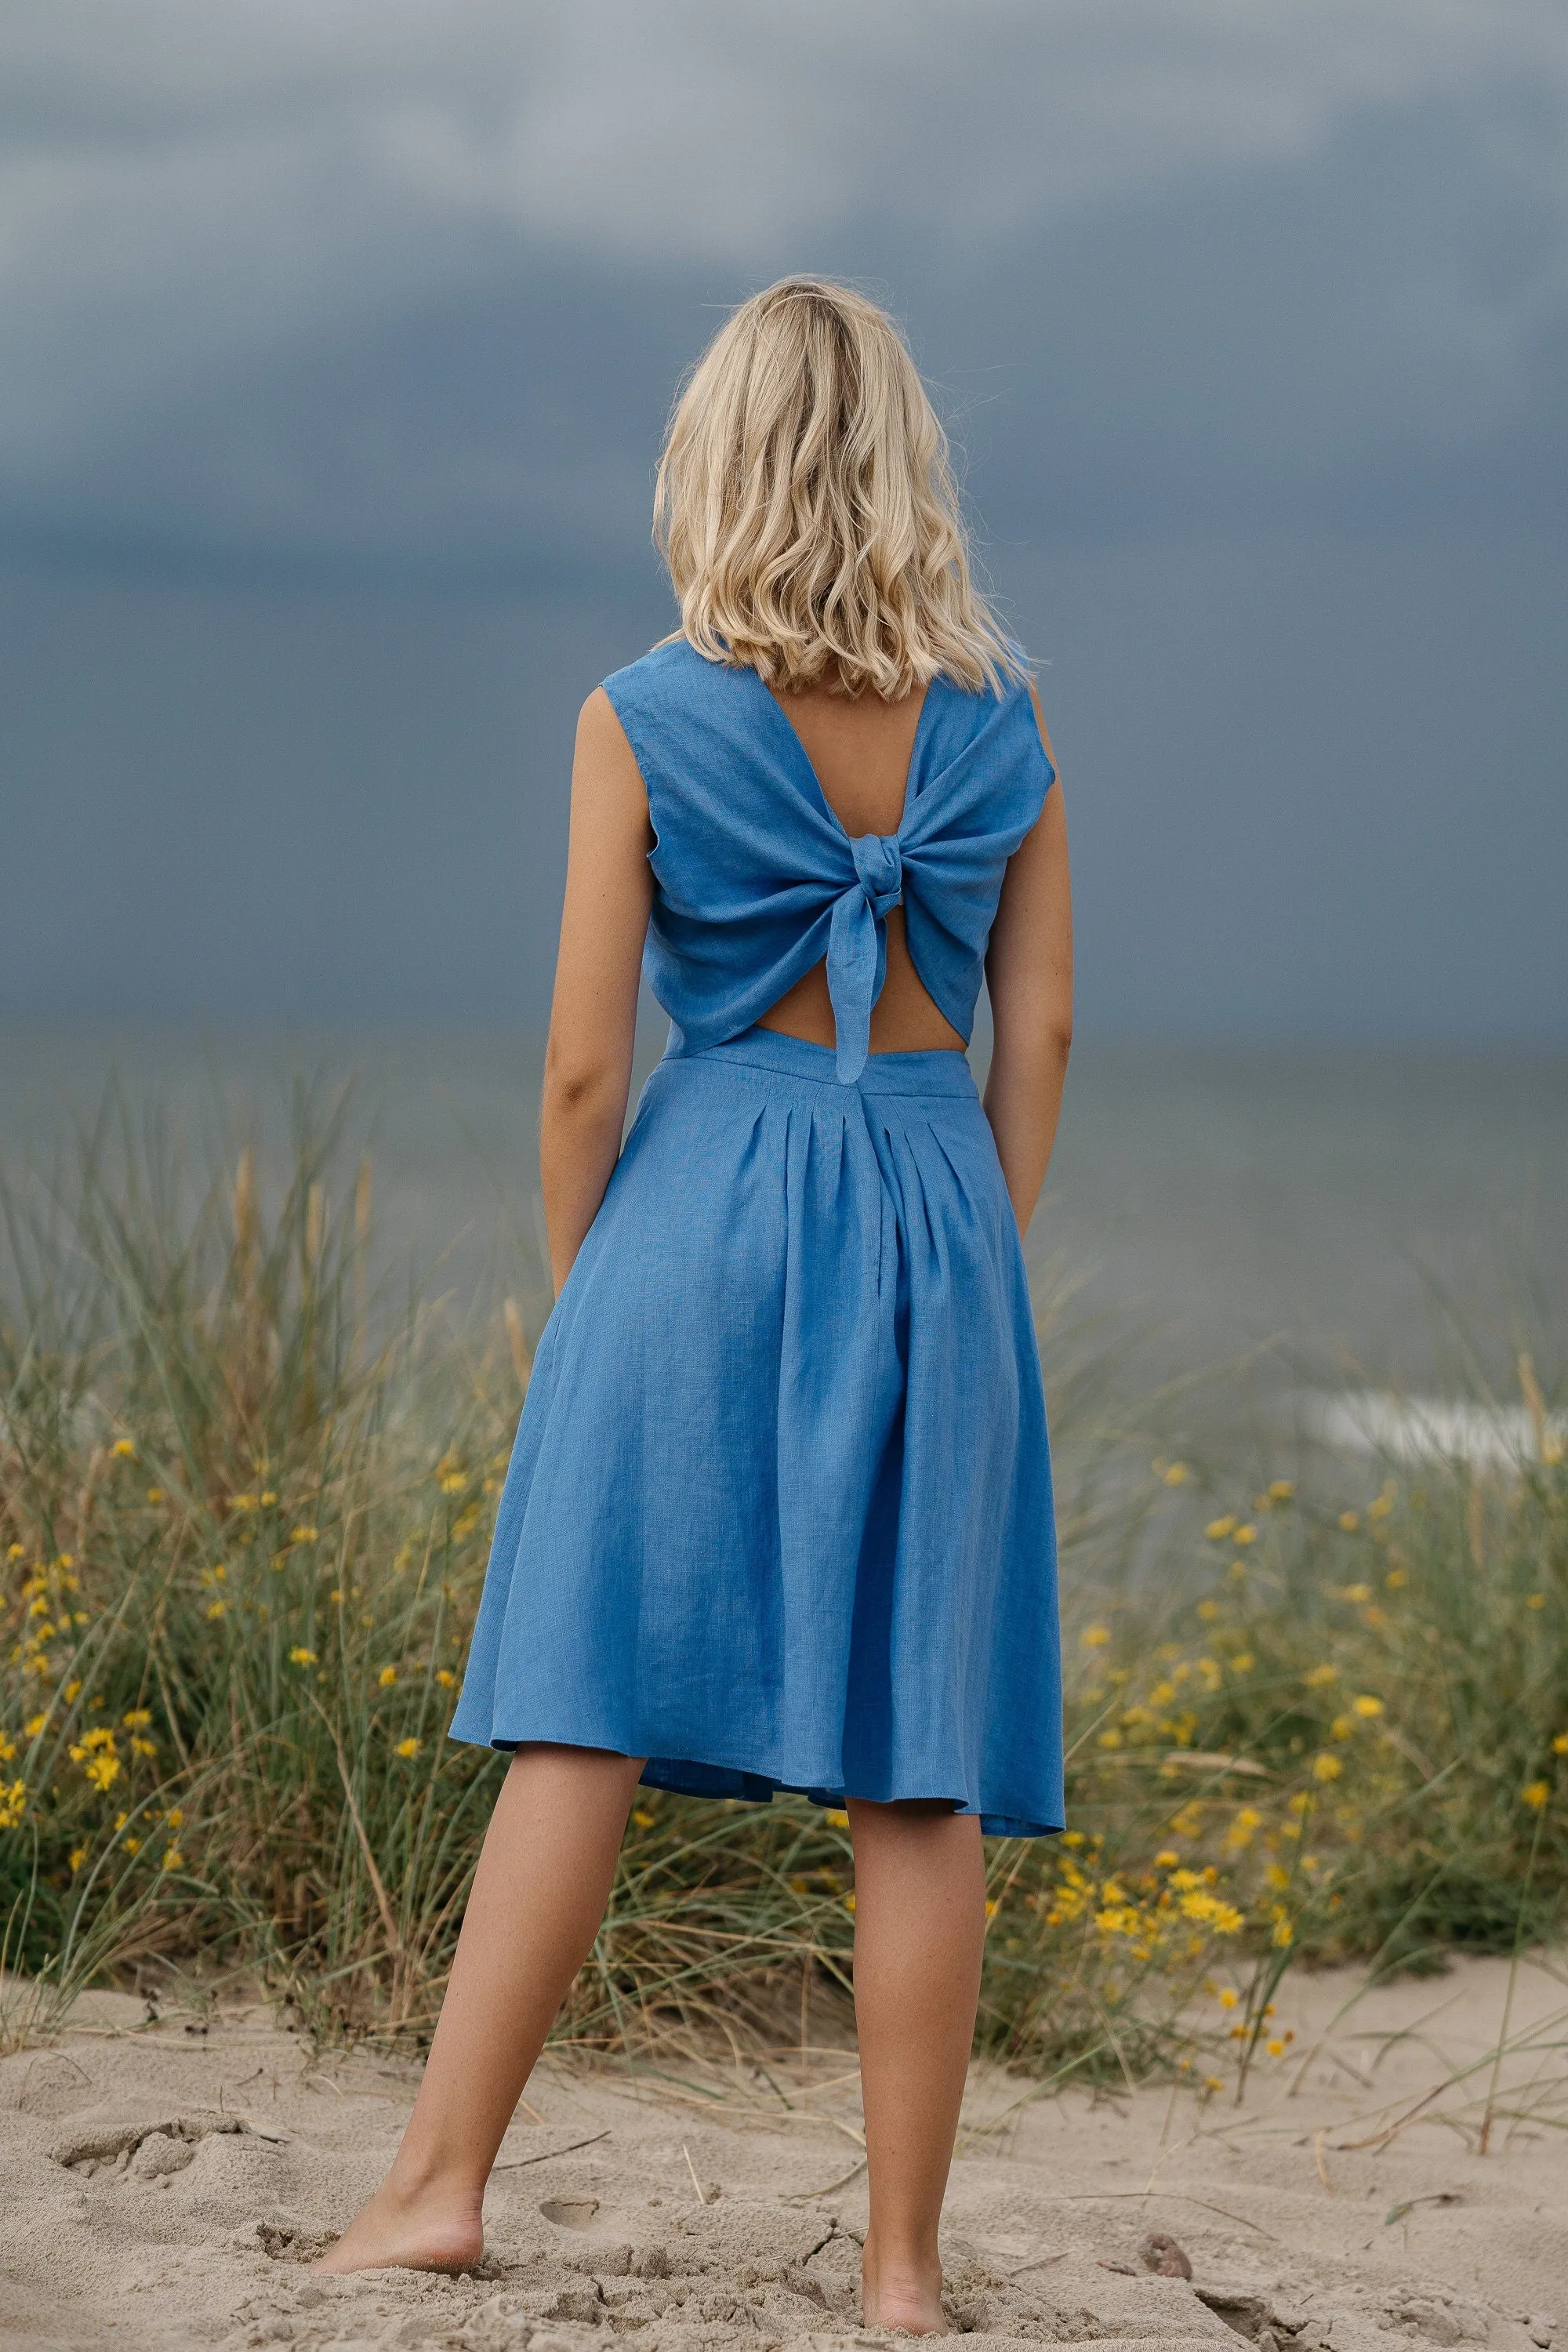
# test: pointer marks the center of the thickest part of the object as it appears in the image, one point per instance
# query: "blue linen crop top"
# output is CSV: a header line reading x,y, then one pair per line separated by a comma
x,y
756,879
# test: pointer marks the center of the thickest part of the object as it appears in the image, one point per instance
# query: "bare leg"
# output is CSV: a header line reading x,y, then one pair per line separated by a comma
x,y
920,1930
539,1894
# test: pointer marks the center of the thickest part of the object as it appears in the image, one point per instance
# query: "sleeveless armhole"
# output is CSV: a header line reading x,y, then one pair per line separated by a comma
x,y
624,699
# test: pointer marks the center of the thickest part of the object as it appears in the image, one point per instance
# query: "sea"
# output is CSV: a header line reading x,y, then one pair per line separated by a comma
x,y
1238,1226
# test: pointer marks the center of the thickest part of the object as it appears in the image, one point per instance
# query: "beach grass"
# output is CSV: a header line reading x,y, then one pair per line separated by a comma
x,y
246,1494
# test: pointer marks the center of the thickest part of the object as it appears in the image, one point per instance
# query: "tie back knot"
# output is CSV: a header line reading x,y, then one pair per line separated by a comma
x,y
879,864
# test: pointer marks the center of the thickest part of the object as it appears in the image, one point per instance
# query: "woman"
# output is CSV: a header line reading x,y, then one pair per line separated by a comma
x,y
779,1512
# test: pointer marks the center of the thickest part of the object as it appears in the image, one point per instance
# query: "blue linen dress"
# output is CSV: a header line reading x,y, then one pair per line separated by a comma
x,y
779,1514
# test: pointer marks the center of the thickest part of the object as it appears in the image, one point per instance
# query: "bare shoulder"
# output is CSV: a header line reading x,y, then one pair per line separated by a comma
x,y
605,765
597,726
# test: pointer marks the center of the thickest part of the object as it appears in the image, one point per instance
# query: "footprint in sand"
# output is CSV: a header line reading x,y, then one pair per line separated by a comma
x,y
149,2144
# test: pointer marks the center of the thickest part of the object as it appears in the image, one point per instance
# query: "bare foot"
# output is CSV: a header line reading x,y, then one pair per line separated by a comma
x,y
426,2230
901,2296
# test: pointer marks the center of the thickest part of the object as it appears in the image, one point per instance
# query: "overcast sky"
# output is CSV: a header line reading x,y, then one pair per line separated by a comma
x,y
335,345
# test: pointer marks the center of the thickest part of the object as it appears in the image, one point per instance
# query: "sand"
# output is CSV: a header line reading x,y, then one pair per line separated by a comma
x,y
162,2185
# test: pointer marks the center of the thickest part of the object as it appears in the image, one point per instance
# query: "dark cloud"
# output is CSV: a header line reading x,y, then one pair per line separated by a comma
x,y
334,351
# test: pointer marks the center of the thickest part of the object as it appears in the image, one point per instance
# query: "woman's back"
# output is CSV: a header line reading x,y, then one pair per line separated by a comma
x,y
826,868
860,750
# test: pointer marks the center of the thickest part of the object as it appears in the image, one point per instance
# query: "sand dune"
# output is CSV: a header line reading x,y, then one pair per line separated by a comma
x,y
164,2186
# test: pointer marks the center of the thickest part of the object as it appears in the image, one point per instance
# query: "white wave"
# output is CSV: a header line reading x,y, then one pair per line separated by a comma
x,y
1431,1429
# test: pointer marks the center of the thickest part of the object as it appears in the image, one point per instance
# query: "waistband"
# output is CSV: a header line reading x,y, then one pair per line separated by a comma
x,y
942,1071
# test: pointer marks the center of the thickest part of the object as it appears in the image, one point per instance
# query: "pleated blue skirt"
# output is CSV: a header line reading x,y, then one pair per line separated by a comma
x,y
778,1514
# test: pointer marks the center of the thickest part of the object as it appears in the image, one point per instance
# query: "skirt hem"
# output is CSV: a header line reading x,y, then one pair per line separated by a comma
x,y
689,1777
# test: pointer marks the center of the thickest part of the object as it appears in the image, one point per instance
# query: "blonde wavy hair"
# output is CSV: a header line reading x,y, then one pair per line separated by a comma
x,y
807,510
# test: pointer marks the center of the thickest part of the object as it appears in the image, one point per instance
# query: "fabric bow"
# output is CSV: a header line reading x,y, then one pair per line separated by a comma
x,y
858,946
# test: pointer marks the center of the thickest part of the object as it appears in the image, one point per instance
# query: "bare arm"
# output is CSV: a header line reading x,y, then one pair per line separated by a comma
x,y
1028,971
592,1016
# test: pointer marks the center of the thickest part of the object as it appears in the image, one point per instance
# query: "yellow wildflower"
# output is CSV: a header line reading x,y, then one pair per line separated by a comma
x,y
154,1494
1208,1611
992,1908
72,1693
1246,1535
302,1535
123,1447
1326,1767
137,1718
446,1677
173,1817
216,1607
839,1820
1341,1727
1356,1592
1318,1678
454,1483
1109,1740
1274,2049
1349,1521
1397,1579
1536,1600
1560,1745
76,1856
301,1658
406,1747
1243,1662
13,1803
1366,1704
1535,1794
172,1857
387,1676
1177,1475
33,1725
644,1821
1167,1861
848,1902
1223,1918
1281,1490
1094,1637
1218,1529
